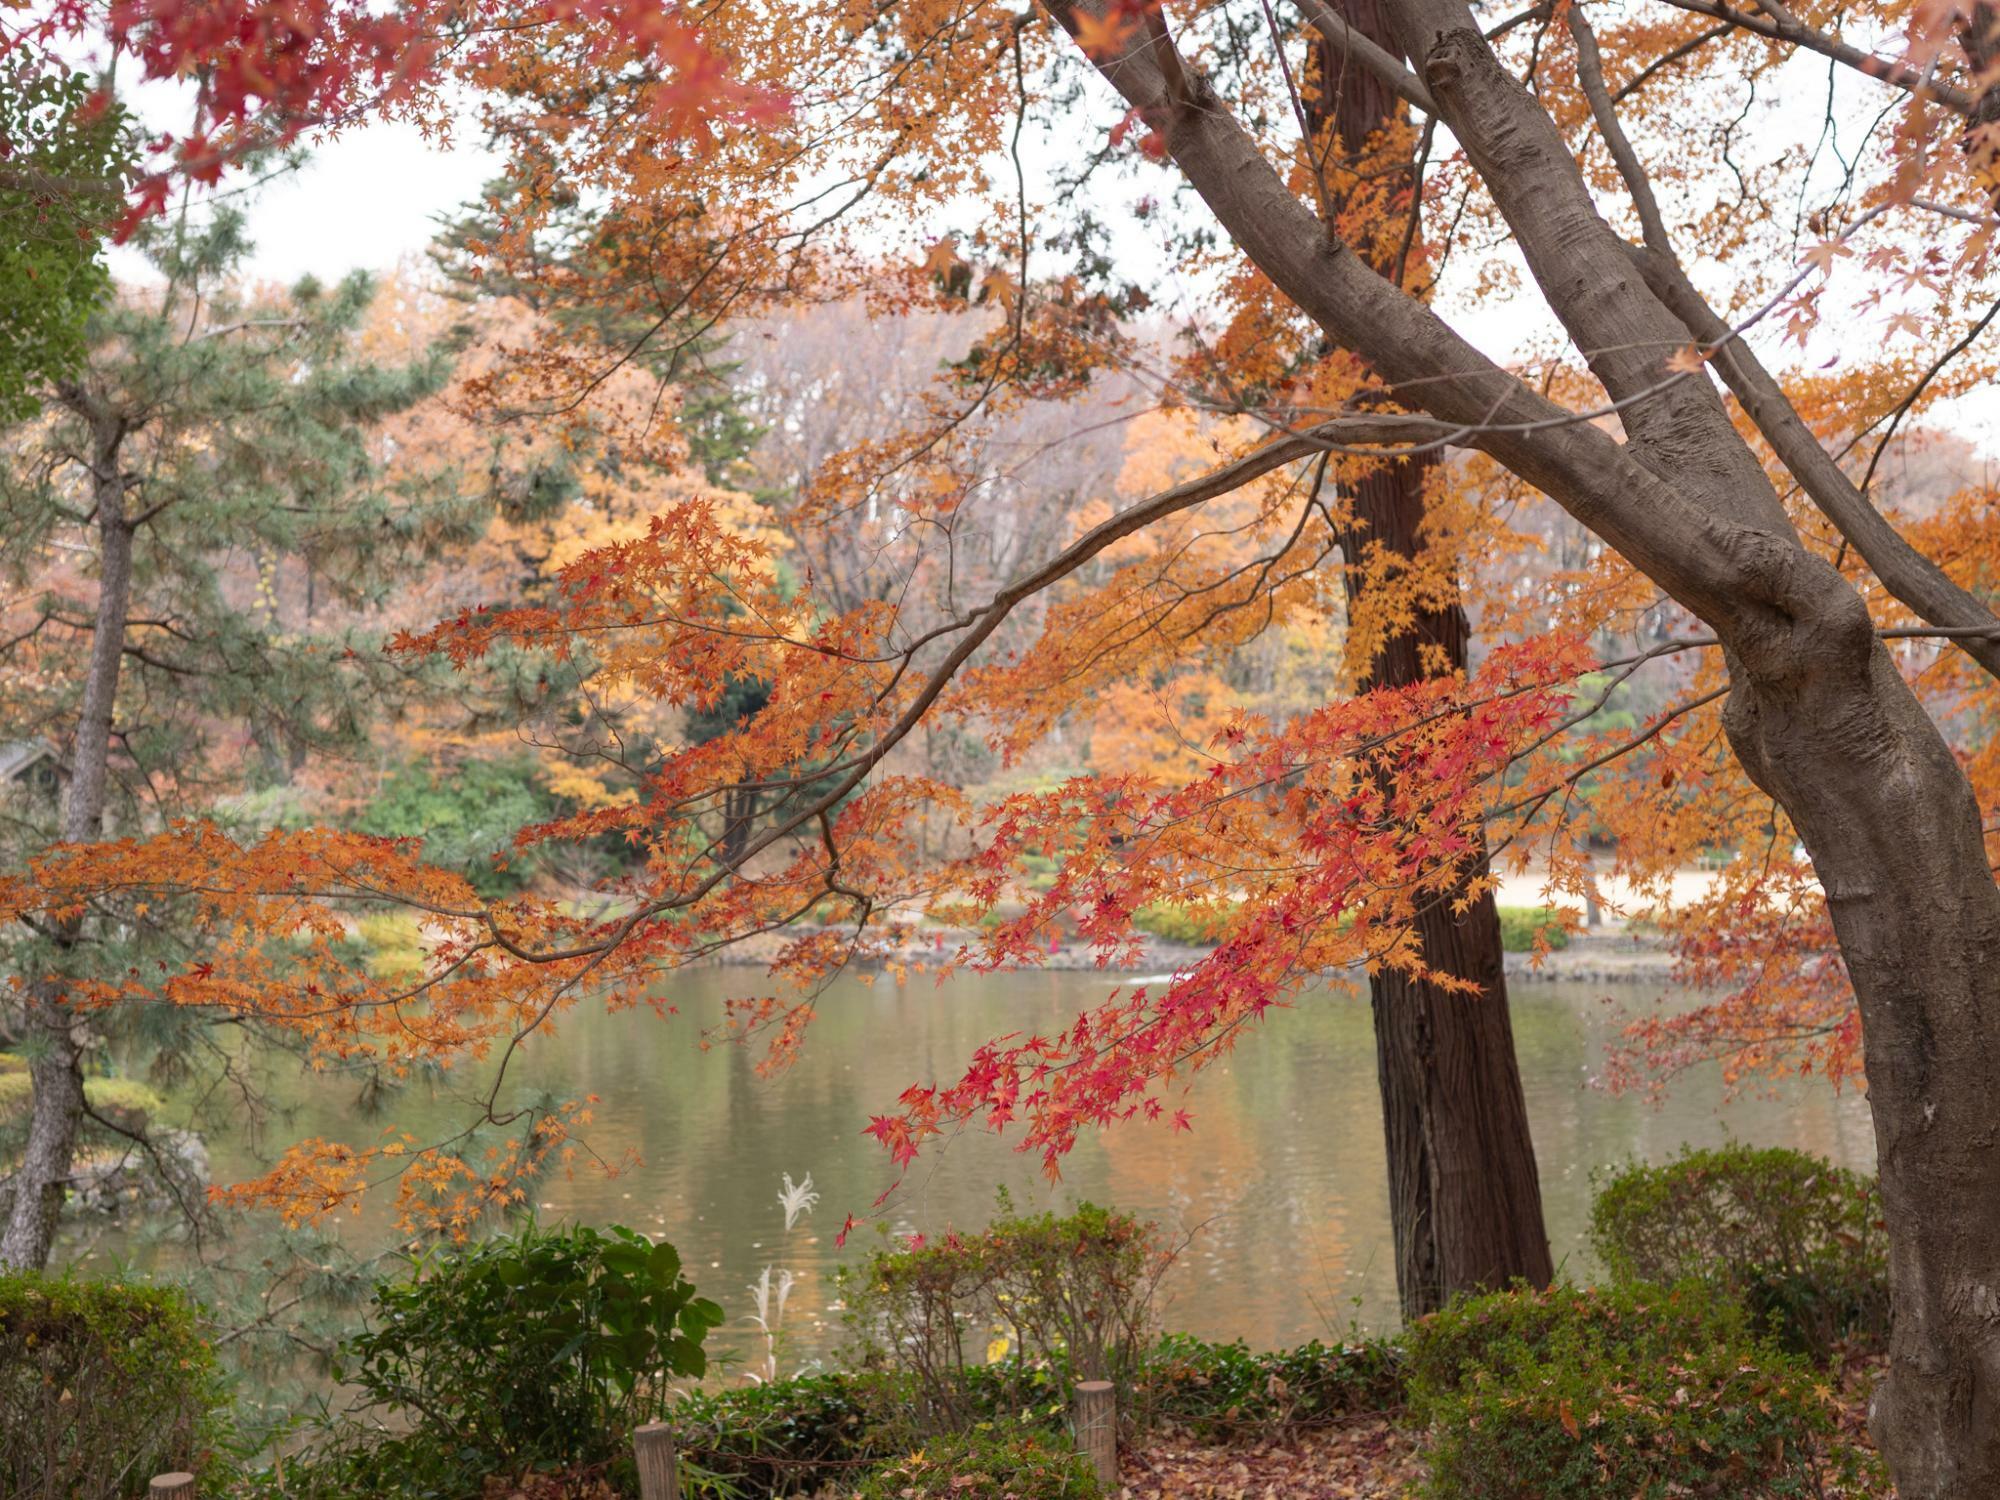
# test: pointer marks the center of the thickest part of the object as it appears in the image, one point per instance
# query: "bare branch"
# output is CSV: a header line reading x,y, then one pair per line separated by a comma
x,y
1799,34
1590,72
1912,577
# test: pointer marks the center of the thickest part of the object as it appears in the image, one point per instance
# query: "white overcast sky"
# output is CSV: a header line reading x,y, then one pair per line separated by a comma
x,y
365,201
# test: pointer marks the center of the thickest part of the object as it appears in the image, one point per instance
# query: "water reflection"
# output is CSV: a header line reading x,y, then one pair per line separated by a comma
x,y
1282,1173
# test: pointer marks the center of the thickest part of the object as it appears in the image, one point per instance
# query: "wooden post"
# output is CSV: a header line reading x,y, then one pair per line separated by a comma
x,y
171,1487
1094,1421
659,1475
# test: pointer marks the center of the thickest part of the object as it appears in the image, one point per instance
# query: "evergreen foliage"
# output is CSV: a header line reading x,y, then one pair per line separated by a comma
x,y
1795,1239
206,494
1571,1394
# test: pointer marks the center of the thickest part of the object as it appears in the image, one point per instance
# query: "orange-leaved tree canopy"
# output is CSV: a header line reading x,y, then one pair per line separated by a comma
x,y
1696,468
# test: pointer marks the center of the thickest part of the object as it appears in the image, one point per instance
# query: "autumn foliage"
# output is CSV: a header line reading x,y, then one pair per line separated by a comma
x,y
752,160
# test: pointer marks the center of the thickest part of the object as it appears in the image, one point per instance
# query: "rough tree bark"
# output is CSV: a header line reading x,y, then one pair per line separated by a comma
x,y
56,1063
1817,712
1465,1198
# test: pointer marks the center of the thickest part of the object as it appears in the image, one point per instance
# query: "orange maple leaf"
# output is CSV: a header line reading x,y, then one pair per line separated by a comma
x,y
1102,36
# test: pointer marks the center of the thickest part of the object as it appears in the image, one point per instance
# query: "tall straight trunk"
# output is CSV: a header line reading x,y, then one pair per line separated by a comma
x,y
1465,1197
56,1062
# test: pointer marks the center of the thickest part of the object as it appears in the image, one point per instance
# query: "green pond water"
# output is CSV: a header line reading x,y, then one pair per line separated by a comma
x,y
1281,1179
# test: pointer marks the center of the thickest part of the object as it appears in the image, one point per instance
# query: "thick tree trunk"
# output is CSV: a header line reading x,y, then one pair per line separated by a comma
x,y
56,1067
1894,834
1817,711
1465,1200
1465,1197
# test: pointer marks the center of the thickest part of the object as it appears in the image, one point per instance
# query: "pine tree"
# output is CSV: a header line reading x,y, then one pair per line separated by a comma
x,y
175,527
591,275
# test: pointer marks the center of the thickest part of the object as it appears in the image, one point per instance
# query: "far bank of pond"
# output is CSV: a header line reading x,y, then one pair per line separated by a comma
x,y
1281,1179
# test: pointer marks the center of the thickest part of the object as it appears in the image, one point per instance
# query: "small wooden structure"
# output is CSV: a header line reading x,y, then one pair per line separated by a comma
x,y
659,1474
1094,1422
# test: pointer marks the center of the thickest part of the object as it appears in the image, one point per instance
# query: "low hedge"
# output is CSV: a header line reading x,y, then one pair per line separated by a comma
x,y
1632,1391
790,1437
126,1102
977,1322
1218,1391
1519,926
1194,926
1798,1241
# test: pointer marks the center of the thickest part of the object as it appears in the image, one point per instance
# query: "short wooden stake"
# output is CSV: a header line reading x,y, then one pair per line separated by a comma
x,y
659,1474
1094,1420
171,1487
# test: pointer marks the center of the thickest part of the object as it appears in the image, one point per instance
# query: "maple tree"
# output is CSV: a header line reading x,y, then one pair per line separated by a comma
x,y
1830,659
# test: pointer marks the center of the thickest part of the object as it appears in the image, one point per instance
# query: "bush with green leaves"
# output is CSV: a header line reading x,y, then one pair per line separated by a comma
x,y
1634,1391
538,1349
1519,926
986,1462
465,816
1222,1391
1025,1295
103,1384
125,1102
1796,1239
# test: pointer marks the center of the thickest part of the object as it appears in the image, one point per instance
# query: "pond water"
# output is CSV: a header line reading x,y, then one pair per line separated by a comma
x,y
1281,1179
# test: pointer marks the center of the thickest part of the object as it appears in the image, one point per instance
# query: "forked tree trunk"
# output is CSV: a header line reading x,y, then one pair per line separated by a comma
x,y
1465,1197
1817,711
56,1056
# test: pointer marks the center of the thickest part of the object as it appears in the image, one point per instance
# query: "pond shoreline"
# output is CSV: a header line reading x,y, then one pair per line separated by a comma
x,y
1607,956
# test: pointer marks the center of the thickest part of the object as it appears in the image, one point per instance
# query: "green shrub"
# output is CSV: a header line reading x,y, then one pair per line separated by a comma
x,y
986,1463
124,1101
1219,1391
103,1384
539,1349
1629,1391
465,816
1024,1296
1797,1240
1520,924
394,943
